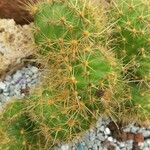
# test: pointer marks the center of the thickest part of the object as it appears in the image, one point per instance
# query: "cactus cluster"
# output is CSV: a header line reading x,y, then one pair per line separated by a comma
x,y
82,79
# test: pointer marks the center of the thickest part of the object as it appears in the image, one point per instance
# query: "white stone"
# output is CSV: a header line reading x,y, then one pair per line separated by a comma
x,y
6,94
28,80
141,130
107,131
2,85
126,129
141,145
65,147
121,144
101,137
134,129
110,139
17,76
146,133
34,69
115,140
147,141
102,128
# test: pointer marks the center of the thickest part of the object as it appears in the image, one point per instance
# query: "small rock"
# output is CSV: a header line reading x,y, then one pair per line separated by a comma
x,y
17,76
147,142
101,137
28,80
107,131
29,73
6,94
126,129
65,147
134,129
2,85
141,130
110,139
102,128
146,133
34,69
141,145
121,144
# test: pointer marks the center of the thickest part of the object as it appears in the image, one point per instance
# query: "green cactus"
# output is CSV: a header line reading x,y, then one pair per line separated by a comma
x,y
82,76
141,100
67,21
17,130
131,36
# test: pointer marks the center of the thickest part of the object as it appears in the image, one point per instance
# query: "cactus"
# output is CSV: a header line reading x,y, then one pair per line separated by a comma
x,y
17,130
67,21
131,37
81,82
141,100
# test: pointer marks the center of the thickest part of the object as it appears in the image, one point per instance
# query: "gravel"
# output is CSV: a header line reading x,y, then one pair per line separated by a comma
x,y
19,83
101,138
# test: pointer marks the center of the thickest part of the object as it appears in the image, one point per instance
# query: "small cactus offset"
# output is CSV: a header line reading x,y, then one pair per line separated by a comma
x,y
132,37
17,130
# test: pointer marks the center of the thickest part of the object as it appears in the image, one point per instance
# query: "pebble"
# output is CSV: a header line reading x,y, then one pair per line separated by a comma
x,y
134,129
107,131
17,76
2,85
34,69
102,128
110,139
146,133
